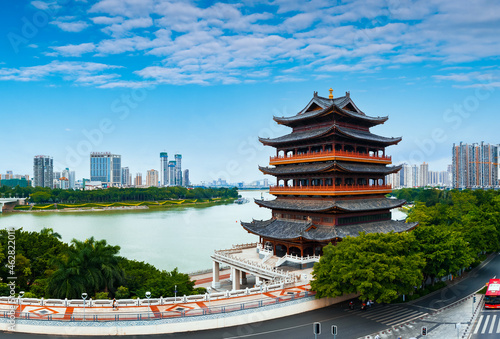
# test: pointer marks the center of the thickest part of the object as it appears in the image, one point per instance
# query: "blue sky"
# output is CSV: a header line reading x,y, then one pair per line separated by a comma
x,y
137,77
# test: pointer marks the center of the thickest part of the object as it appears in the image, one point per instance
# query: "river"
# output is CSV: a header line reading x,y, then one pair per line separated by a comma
x,y
182,237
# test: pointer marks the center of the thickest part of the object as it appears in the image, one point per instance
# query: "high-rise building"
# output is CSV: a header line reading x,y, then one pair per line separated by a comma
x,y
171,173
125,177
178,170
164,169
186,178
152,178
70,175
43,171
9,175
475,165
424,174
138,180
106,168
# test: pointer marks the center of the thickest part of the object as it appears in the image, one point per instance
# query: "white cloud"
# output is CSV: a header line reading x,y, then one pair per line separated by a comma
x,y
65,69
106,20
68,24
75,50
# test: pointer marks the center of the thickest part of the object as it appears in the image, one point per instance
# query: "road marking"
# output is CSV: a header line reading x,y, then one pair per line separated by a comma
x,y
478,324
398,315
485,324
381,314
498,328
403,320
492,323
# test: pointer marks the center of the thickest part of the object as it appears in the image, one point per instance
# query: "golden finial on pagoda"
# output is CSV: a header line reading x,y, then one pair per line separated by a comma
x,y
331,94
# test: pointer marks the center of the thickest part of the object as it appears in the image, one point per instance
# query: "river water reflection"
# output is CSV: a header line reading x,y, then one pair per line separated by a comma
x,y
182,237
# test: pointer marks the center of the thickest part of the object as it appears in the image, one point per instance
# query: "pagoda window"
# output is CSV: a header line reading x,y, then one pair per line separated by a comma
x,y
308,251
318,250
349,181
338,147
361,181
370,182
361,150
328,182
316,219
289,153
316,149
381,181
295,251
302,151
328,148
338,181
280,250
348,148
328,220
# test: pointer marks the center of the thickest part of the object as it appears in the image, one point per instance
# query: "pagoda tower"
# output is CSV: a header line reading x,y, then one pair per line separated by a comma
x,y
331,179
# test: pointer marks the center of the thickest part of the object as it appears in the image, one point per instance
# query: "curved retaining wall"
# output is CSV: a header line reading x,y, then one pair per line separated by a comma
x,y
164,326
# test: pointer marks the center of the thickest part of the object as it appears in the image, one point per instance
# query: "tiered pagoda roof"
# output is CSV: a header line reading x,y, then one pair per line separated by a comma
x,y
329,166
296,230
332,130
331,172
357,205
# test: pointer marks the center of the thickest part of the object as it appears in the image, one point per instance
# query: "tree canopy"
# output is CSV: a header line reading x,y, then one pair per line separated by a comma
x,y
378,266
114,194
455,229
54,269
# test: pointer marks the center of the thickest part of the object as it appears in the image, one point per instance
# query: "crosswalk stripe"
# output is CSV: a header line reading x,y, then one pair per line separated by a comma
x,y
397,315
478,324
377,316
492,323
485,324
498,328
379,313
409,317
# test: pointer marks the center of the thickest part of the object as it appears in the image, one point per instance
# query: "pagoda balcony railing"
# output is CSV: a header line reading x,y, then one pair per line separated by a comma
x,y
327,155
332,190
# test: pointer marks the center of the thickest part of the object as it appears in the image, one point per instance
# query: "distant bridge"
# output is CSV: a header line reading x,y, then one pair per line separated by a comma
x,y
8,204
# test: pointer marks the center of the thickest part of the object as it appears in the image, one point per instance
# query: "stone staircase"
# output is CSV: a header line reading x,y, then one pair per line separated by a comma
x,y
272,261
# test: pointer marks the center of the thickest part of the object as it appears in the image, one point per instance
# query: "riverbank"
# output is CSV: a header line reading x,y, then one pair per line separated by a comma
x,y
120,206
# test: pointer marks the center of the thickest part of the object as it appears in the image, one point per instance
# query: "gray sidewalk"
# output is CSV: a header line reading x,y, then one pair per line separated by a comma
x,y
440,325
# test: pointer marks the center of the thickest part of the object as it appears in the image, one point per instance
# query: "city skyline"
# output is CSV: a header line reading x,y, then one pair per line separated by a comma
x,y
205,79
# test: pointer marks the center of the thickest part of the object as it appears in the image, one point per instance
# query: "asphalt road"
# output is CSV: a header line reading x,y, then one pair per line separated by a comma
x,y
487,326
350,323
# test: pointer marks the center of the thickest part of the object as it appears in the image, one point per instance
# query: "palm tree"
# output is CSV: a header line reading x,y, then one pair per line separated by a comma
x,y
50,232
67,281
92,265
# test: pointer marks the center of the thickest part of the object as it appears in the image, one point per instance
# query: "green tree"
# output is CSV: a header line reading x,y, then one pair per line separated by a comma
x,y
445,251
378,266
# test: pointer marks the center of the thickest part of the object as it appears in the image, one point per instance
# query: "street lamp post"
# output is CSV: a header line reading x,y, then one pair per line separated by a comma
x,y
260,287
148,295
175,294
84,296
209,289
21,295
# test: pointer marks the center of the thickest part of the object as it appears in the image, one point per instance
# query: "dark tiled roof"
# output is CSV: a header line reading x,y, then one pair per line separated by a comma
x,y
298,136
325,166
357,205
327,107
367,168
299,168
288,230
363,135
318,132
